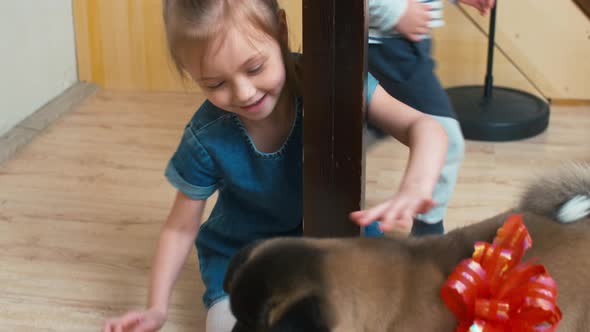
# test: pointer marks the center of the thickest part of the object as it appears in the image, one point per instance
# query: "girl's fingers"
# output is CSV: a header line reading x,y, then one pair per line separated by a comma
x,y
108,326
146,326
402,213
374,215
132,318
414,37
399,223
366,217
425,206
486,6
387,227
392,215
426,8
122,323
406,215
422,30
356,215
111,325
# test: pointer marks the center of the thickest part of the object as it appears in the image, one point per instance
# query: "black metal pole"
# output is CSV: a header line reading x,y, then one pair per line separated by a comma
x,y
501,113
489,80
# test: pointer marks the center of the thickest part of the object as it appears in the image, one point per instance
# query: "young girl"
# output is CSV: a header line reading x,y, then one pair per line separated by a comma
x,y
245,141
399,56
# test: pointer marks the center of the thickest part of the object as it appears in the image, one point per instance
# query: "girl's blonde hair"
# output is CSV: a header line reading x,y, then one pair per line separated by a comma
x,y
197,22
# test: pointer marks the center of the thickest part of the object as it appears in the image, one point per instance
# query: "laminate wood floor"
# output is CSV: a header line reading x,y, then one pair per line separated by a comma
x,y
81,206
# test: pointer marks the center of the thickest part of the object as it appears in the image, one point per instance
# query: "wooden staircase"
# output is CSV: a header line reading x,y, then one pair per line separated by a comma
x,y
584,6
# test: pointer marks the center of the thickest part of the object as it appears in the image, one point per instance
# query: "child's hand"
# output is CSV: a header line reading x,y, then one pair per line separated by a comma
x,y
397,212
483,6
136,321
414,23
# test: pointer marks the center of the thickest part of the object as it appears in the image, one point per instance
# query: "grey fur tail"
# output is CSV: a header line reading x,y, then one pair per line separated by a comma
x,y
564,196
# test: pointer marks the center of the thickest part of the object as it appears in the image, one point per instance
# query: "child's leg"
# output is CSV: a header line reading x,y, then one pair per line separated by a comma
x,y
213,265
406,71
431,222
219,317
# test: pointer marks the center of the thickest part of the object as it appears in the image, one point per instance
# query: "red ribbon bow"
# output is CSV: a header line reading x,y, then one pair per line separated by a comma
x,y
494,292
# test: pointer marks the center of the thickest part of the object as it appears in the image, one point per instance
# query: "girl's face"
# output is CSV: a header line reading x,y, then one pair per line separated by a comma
x,y
243,73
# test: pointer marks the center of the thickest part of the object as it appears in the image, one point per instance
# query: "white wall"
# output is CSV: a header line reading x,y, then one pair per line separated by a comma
x,y
37,56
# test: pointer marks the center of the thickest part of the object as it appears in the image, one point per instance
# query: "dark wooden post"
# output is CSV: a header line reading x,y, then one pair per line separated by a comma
x,y
334,47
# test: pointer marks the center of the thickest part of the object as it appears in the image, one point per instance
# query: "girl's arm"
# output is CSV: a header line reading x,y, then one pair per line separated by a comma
x,y
176,240
427,141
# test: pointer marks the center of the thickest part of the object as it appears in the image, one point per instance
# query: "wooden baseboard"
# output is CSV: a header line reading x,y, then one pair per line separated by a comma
x,y
33,125
569,102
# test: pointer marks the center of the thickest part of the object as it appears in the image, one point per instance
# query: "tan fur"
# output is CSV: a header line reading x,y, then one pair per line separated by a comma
x,y
393,285
280,303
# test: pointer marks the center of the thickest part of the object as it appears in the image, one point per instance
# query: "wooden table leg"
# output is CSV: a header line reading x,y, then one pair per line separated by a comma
x,y
334,46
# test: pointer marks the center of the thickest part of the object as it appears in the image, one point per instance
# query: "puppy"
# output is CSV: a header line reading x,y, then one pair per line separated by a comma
x,y
386,284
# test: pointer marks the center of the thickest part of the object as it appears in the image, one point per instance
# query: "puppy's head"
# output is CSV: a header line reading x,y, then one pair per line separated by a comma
x,y
277,283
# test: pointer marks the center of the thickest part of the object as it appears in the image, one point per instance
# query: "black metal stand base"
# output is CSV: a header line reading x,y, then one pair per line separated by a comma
x,y
489,113
507,115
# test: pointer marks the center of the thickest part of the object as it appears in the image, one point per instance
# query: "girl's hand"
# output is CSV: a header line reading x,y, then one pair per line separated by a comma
x,y
414,22
136,321
483,6
397,212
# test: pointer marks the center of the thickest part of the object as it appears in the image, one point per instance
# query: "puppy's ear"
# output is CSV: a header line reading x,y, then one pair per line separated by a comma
x,y
309,314
274,282
235,264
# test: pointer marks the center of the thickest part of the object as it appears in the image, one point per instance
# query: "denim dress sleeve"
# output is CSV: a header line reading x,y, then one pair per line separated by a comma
x,y
191,169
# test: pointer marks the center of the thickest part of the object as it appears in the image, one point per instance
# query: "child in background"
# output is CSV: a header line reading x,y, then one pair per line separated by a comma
x,y
246,142
400,58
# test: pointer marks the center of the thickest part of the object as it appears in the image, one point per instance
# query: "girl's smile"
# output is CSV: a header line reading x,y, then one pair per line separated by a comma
x,y
256,106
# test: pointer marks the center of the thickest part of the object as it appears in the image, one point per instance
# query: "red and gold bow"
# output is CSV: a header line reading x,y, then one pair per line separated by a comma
x,y
494,292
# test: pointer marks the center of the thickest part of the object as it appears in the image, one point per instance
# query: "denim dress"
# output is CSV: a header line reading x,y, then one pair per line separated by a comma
x,y
260,194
